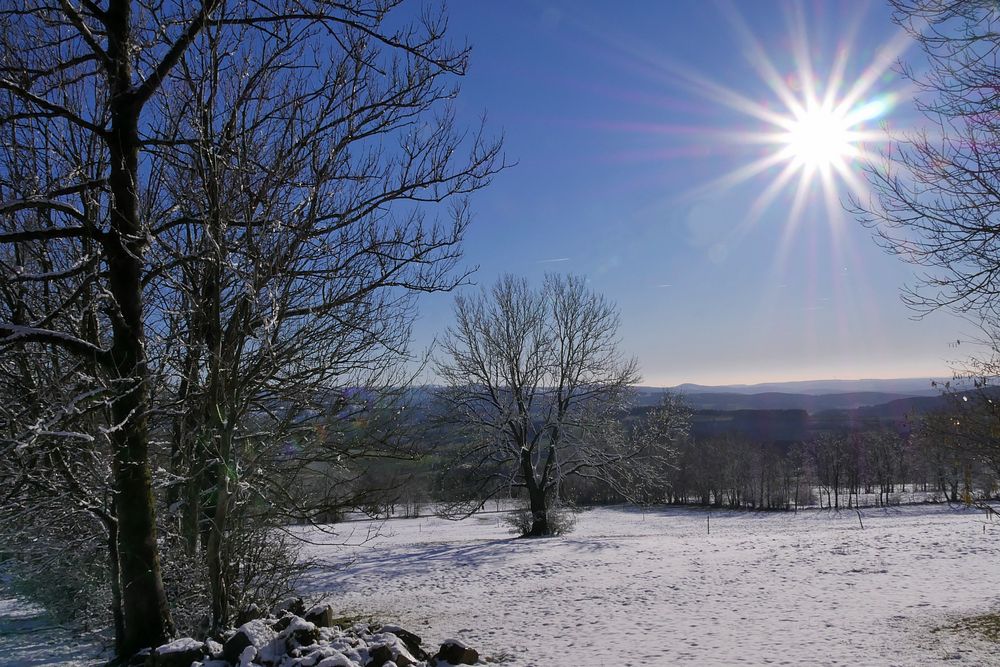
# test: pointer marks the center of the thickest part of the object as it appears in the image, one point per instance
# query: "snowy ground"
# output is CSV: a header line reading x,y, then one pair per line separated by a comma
x,y
655,588
29,638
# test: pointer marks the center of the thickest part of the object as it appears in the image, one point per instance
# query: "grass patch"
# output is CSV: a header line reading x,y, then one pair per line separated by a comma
x,y
350,620
499,658
986,626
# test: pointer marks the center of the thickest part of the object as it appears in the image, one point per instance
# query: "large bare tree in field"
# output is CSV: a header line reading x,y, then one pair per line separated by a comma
x,y
219,211
534,386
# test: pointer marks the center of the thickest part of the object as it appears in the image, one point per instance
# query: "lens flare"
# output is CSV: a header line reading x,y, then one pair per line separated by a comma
x,y
819,138
802,132
810,135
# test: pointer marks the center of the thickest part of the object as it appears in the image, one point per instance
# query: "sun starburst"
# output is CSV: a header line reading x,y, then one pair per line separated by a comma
x,y
818,138
821,137
801,134
811,138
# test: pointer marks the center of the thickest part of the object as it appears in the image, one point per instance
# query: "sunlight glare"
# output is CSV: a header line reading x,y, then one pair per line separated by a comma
x,y
819,138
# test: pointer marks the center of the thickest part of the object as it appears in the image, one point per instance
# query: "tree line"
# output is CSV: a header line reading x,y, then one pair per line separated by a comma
x,y
831,470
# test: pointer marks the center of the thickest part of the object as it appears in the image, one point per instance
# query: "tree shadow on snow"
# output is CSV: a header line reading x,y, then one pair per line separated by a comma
x,y
387,563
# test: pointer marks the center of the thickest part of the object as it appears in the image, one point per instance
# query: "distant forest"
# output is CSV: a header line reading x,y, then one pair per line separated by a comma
x,y
764,459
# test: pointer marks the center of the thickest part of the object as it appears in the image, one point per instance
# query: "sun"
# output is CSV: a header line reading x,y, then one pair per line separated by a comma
x,y
820,138
798,136
807,132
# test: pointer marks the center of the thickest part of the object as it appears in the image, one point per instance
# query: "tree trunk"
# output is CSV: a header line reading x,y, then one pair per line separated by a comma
x,y
539,512
117,613
144,602
215,549
146,617
536,498
216,561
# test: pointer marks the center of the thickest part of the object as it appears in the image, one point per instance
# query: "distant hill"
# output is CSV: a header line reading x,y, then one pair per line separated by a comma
x,y
805,418
813,396
903,386
781,401
755,425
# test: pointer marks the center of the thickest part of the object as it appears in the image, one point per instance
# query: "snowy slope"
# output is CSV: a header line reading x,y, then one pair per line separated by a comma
x,y
628,588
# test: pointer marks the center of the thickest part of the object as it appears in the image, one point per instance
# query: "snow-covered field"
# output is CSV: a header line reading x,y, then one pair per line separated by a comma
x,y
656,588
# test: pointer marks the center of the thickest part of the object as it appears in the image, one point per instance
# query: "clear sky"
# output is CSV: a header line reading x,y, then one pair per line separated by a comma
x,y
634,124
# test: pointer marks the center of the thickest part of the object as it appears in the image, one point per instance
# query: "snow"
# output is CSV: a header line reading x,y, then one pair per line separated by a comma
x,y
180,646
247,656
338,660
258,632
632,588
30,638
648,588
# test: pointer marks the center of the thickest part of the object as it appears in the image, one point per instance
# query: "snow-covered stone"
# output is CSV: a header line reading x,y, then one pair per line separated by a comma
x,y
247,656
255,634
457,652
321,615
293,605
213,648
339,660
178,653
410,640
290,641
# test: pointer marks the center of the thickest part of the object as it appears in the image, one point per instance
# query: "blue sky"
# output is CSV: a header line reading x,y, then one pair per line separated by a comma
x,y
620,144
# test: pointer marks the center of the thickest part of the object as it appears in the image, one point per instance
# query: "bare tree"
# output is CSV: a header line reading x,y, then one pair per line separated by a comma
x,y
82,77
298,236
660,433
966,431
222,211
534,383
936,195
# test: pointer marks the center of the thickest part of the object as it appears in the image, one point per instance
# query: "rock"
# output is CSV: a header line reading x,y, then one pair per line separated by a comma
x,y
139,659
410,640
298,632
303,637
379,656
393,652
178,653
234,646
213,648
456,652
321,615
282,623
293,605
251,613
255,633
249,653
